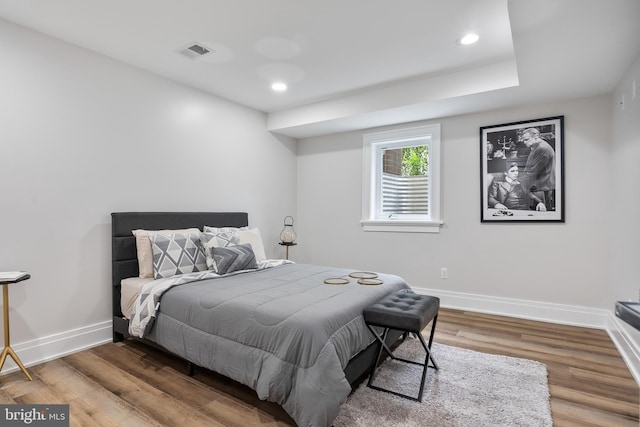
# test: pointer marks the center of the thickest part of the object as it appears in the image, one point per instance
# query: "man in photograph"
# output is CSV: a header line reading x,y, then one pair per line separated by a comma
x,y
539,175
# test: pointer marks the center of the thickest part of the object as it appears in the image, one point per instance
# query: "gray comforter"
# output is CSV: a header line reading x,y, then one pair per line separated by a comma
x,y
280,331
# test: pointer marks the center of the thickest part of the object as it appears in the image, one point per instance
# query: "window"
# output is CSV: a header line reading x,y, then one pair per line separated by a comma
x,y
401,183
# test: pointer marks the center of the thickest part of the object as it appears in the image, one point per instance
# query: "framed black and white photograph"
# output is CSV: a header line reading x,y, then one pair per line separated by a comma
x,y
521,171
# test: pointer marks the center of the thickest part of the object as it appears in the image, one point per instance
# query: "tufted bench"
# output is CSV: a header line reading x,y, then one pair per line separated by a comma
x,y
405,311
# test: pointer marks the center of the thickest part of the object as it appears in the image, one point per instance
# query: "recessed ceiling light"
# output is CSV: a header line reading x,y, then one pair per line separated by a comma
x,y
279,87
470,38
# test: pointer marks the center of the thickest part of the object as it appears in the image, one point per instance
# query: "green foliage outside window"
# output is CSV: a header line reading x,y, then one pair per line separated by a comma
x,y
415,160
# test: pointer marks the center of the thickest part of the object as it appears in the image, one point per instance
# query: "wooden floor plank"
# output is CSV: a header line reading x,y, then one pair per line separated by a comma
x,y
592,400
597,348
542,353
89,401
152,402
601,378
208,401
569,414
132,384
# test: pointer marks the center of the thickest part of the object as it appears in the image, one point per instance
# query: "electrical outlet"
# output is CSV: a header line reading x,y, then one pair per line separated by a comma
x,y
444,273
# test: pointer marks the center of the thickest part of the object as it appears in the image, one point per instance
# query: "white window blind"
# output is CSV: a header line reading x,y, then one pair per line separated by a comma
x,y
405,195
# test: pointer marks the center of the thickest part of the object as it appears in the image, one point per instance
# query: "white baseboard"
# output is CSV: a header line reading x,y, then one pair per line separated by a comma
x,y
523,309
58,345
628,345
621,334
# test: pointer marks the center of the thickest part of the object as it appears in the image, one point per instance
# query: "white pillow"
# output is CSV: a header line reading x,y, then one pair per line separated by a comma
x,y
230,236
217,230
145,253
252,236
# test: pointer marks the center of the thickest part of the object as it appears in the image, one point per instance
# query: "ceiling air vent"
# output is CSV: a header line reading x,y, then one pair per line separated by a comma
x,y
196,50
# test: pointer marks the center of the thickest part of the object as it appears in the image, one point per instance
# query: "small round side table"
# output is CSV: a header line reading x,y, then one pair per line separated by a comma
x,y
286,245
8,351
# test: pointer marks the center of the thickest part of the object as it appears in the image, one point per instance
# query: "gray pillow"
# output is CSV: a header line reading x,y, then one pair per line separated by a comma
x,y
234,258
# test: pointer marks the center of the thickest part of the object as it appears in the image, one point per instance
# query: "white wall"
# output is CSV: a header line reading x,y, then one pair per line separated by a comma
x,y
625,171
82,136
625,202
518,269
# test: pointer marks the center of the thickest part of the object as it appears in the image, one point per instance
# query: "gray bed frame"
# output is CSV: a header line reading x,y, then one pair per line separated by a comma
x,y
124,263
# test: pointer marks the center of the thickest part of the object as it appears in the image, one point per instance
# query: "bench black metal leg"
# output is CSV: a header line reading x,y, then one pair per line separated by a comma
x,y
425,366
433,330
428,347
383,346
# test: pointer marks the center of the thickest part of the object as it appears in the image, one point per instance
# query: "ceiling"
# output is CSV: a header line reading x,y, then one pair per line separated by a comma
x,y
353,64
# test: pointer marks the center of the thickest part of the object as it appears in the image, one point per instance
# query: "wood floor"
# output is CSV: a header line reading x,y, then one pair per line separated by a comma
x,y
131,384
589,383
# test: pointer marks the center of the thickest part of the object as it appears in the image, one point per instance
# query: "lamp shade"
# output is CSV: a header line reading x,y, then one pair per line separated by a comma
x,y
288,234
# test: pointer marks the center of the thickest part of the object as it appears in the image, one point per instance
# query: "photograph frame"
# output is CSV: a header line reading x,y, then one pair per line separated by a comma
x,y
522,171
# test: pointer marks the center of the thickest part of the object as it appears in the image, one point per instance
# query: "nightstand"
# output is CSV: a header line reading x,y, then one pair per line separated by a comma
x,y
286,245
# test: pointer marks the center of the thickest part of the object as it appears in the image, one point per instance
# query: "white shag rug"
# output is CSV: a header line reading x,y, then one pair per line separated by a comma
x,y
470,389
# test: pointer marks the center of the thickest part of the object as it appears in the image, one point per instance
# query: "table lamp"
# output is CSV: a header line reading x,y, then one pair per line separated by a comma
x,y
288,234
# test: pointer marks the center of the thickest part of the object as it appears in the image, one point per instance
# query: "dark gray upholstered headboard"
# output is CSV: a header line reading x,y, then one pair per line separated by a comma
x,y
124,259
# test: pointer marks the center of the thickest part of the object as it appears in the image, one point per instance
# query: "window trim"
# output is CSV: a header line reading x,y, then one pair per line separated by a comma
x,y
372,145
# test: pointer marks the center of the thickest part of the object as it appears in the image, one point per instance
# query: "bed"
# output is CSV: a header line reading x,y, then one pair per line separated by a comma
x,y
280,330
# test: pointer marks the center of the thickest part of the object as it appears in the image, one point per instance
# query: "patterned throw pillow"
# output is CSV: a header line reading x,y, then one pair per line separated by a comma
x,y
230,236
234,258
211,240
144,251
177,253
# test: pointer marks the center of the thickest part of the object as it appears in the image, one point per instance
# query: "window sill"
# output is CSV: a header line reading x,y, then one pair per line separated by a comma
x,y
400,226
